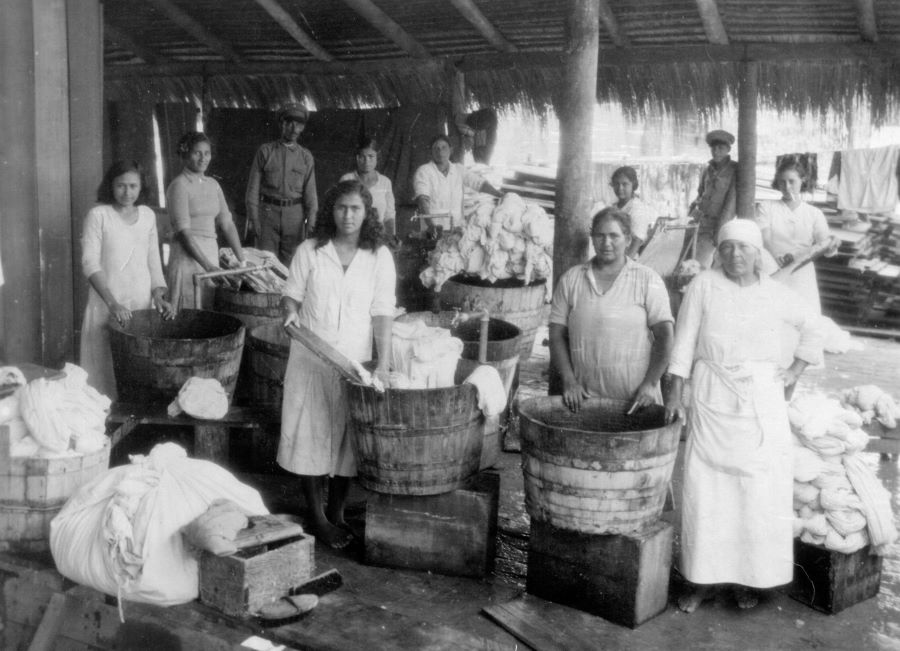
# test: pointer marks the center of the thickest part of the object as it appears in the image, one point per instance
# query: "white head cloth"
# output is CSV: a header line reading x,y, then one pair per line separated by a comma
x,y
741,230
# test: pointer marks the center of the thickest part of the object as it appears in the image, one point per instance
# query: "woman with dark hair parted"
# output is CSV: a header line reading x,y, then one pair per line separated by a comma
x,y
342,287
624,182
791,229
196,206
737,508
379,186
120,258
610,322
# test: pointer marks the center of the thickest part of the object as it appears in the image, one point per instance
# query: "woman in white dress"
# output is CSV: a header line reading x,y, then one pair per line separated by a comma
x,y
624,183
342,287
791,228
738,476
378,185
120,259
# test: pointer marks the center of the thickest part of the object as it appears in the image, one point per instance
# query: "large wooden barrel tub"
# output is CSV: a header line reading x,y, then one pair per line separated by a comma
x,y
597,471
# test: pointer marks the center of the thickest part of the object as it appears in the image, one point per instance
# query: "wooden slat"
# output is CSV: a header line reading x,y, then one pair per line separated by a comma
x,y
386,25
283,18
712,22
546,626
472,13
174,13
608,18
865,15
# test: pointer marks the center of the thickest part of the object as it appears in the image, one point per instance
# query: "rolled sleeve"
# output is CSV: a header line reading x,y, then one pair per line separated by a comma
x,y
384,300
299,270
91,243
560,306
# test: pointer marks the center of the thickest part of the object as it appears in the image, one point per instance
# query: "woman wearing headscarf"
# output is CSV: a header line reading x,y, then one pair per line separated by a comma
x,y
738,480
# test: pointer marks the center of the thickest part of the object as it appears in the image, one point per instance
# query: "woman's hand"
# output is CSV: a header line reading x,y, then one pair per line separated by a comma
x,y
383,375
291,317
120,313
789,376
643,397
573,394
164,307
833,245
675,410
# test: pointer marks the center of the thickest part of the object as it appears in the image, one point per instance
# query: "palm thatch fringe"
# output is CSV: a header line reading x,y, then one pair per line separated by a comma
x,y
678,88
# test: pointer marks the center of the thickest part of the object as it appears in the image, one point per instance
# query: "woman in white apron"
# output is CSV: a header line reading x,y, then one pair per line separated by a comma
x,y
738,479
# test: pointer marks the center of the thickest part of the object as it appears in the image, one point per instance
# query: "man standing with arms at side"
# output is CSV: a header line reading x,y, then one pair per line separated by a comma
x,y
716,198
281,191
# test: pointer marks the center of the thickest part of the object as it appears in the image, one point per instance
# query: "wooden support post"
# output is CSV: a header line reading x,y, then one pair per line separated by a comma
x,y
576,118
746,175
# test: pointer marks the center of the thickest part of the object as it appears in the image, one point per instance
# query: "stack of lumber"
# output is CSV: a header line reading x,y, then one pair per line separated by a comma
x,y
534,184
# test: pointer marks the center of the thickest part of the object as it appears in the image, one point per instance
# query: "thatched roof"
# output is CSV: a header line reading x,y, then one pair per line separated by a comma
x,y
677,55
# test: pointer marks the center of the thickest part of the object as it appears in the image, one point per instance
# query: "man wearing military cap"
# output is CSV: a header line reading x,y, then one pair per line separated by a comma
x,y
281,191
716,200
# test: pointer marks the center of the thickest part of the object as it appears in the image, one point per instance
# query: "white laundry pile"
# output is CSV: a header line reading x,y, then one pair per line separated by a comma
x,y
491,392
201,398
423,357
121,533
838,501
56,418
837,340
872,402
868,181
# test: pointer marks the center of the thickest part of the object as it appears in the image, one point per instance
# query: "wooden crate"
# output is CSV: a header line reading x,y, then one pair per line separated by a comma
x,y
33,490
273,556
831,581
453,533
622,578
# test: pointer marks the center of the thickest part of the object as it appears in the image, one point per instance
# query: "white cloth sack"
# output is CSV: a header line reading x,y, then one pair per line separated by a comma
x,y
121,533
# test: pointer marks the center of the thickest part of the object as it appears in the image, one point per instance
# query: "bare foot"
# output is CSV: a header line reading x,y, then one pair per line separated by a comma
x,y
334,537
746,598
695,596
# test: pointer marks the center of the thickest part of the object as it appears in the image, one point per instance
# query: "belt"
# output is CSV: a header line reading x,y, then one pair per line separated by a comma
x,y
280,202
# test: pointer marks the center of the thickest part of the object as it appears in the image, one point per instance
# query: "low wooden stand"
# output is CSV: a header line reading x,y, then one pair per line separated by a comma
x,y
273,556
211,437
831,581
453,533
622,578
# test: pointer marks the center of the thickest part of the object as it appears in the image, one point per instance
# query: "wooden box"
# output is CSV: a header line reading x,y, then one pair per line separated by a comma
x,y
33,490
622,578
273,556
452,533
831,581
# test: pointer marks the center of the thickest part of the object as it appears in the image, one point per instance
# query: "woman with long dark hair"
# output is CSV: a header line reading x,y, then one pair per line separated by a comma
x,y
342,287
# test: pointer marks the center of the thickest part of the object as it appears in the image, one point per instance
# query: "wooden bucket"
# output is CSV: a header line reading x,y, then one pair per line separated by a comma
x,y
268,348
598,471
252,308
416,441
509,300
153,358
504,341
35,490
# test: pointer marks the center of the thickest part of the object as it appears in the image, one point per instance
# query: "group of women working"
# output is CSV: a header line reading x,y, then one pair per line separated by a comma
x,y
742,338
611,334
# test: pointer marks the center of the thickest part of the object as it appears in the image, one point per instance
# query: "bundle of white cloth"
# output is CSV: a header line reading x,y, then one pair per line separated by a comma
x,y
422,356
838,501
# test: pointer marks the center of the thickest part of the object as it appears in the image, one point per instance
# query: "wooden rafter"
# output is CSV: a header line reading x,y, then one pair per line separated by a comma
x,y
609,56
288,24
611,23
386,25
865,13
472,13
123,40
195,29
712,22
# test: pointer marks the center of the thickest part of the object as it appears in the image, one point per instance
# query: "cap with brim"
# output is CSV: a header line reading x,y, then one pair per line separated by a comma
x,y
294,112
719,135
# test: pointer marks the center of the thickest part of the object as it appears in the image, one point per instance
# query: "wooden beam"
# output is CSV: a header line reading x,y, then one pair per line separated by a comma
x,y
472,13
611,23
283,18
865,15
174,13
748,98
123,40
386,25
712,22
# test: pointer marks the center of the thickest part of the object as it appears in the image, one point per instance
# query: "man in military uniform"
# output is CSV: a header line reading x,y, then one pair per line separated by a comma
x,y
281,191
716,199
